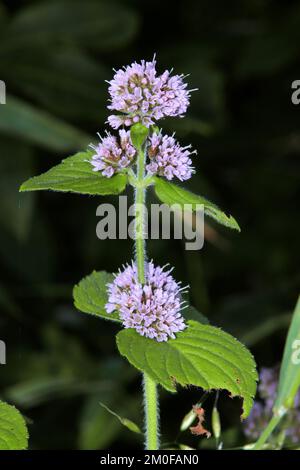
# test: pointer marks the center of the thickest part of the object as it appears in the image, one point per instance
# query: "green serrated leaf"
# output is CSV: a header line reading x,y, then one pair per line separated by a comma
x,y
90,295
289,380
201,355
13,430
170,194
75,174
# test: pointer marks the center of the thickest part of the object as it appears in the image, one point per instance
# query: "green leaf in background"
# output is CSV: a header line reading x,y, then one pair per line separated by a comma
x,y
13,431
97,428
170,193
90,295
102,26
21,120
289,380
265,328
128,423
75,174
37,391
16,212
201,355
79,95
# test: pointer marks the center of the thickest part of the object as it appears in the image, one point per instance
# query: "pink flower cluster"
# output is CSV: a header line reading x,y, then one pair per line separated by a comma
x,y
141,95
152,309
144,96
168,158
113,154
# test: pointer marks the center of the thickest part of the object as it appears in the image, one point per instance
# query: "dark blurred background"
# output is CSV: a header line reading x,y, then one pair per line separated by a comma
x,y
54,58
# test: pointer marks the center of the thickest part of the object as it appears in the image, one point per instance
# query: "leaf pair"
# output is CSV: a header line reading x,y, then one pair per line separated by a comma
x,y
75,174
201,355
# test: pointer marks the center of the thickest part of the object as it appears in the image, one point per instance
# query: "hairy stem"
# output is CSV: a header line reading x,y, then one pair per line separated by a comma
x,y
140,199
151,413
150,388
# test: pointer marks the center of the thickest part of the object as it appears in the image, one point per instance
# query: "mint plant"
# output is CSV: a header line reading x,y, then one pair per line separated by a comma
x,y
163,336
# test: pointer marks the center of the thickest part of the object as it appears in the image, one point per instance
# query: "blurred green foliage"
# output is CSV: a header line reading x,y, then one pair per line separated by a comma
x,y
54,58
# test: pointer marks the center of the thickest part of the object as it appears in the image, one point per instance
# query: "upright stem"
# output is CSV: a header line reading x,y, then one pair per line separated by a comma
x,y
151,413
150,389
140,199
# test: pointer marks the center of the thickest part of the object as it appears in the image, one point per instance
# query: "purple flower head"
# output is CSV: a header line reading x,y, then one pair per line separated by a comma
x,y
257,421
168,158
152,309
142,95
292,430
268,382
261,412
113,154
